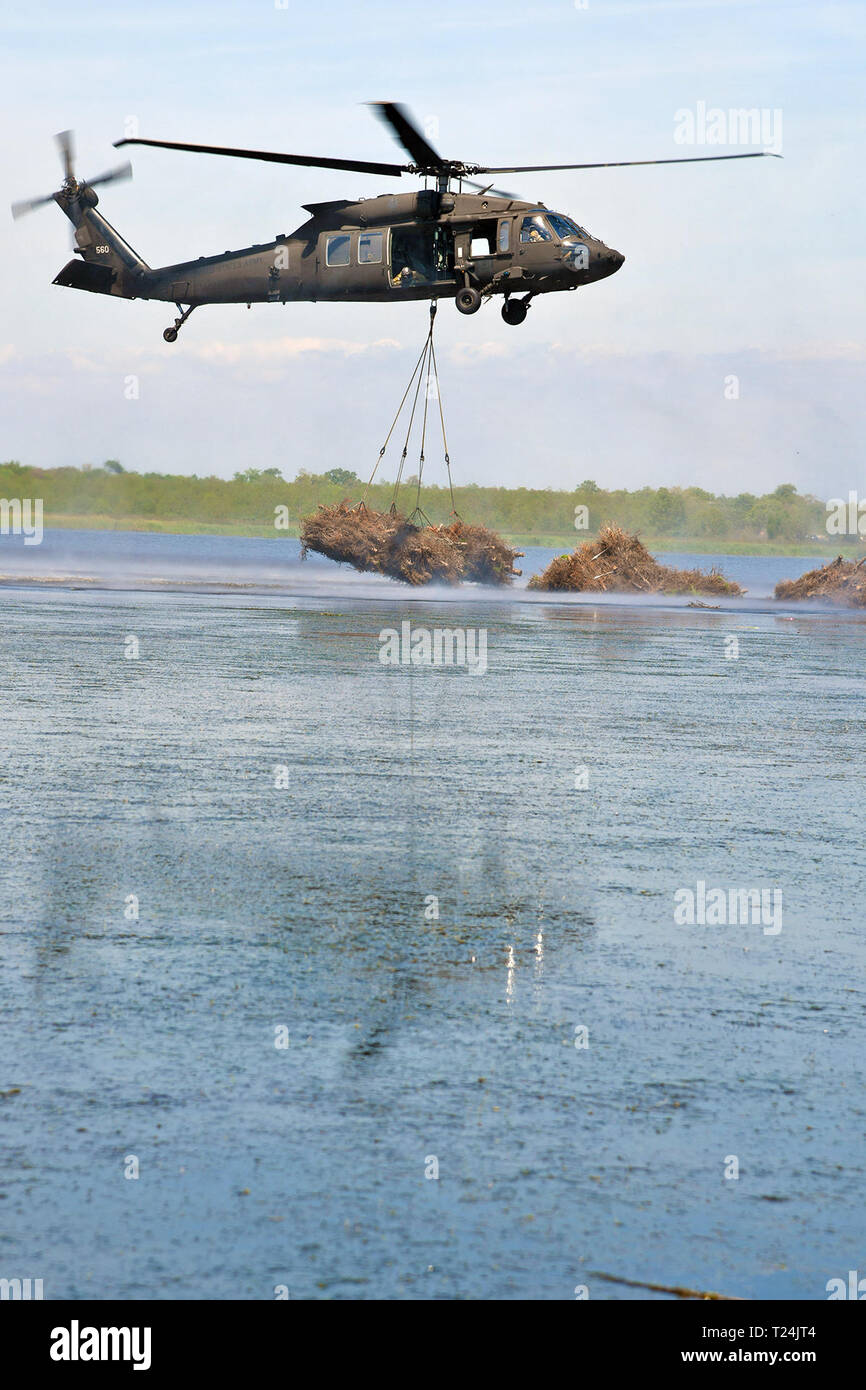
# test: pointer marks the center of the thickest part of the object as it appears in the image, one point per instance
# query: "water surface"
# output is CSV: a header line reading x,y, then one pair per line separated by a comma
x,y
308,905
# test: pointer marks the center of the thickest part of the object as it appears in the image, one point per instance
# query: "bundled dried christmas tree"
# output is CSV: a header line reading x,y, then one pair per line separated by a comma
x,y
486,557
618,562
389,543
841,581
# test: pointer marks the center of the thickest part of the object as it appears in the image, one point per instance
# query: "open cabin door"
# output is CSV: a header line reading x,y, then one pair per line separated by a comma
x,y
421,256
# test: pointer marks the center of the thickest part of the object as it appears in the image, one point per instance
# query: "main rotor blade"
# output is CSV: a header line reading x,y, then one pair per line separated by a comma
x,y
19,209
66,145
617,164
408,134
356,166
123,171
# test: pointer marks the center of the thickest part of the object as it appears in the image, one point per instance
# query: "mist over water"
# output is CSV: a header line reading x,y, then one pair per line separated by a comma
x,y
135,559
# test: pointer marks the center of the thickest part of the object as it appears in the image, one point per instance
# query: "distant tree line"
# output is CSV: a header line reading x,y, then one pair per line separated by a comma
x,y
251,497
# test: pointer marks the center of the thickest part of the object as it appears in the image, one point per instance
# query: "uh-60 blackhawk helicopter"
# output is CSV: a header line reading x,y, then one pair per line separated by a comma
x,y
437,243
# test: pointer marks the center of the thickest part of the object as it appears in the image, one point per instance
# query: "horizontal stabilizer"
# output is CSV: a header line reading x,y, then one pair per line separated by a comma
x,y
80,275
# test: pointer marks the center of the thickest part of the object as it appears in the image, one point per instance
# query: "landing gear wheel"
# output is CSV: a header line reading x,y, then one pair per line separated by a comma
x,y
170,334
514,311
468,301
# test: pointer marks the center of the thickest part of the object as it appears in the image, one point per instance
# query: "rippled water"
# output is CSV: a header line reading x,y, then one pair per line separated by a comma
x,y
303,905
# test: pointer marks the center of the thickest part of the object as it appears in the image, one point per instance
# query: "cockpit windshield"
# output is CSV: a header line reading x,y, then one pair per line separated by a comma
x,y
533,229
564,227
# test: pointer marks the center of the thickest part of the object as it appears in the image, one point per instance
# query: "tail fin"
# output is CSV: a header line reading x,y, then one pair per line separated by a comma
x,y
107,264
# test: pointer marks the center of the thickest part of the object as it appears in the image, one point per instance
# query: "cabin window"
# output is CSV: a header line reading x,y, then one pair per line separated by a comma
x,y
337,250
483,241
534,229
504,235
370,248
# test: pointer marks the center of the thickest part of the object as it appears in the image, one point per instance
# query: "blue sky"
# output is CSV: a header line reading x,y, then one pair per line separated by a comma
x,y
753,268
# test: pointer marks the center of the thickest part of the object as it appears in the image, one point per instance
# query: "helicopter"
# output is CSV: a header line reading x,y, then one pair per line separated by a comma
x,y
438,242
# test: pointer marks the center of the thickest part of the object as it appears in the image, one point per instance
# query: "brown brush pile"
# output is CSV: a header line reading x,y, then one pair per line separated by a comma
x,y
486,557
841,581
618,563
389,543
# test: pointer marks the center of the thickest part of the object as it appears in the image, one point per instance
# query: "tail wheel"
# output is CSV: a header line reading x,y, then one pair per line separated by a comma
x,y
170,334
468,301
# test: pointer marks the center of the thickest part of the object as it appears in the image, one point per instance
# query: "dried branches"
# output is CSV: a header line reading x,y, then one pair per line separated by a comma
x,y
617,562
388,543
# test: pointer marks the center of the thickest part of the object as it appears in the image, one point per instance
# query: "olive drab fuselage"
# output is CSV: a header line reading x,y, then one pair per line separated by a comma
x,y
405,246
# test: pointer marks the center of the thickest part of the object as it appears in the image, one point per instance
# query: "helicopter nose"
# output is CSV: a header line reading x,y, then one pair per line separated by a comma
x,y
607,262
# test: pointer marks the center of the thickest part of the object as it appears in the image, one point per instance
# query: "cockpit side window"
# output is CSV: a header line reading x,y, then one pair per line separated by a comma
x,y
533,229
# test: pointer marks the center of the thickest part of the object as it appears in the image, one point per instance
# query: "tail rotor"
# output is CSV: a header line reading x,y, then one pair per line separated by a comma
x,y
65,141
29,205
72,191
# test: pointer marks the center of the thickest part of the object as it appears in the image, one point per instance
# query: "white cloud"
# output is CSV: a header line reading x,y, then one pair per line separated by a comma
x,y
464,354
285,349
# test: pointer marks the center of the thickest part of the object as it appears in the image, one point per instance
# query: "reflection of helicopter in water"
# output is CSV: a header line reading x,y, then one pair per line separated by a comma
x,y
436,243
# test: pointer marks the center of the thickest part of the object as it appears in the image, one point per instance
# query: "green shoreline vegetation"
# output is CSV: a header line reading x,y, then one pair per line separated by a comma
x,y
254,501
